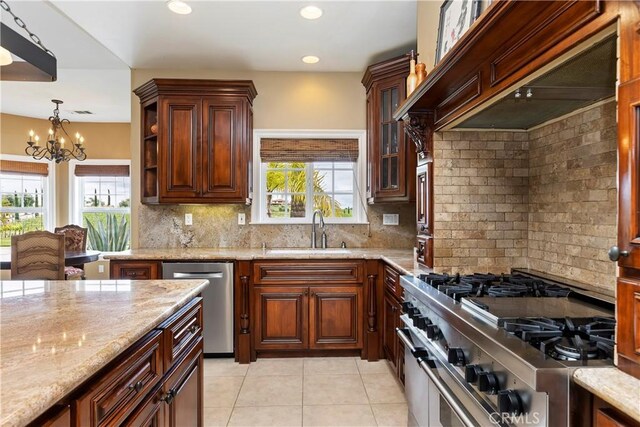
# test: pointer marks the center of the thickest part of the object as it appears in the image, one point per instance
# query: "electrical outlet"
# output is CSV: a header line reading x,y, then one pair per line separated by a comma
x,y
100,268
188,219
390,219
242,220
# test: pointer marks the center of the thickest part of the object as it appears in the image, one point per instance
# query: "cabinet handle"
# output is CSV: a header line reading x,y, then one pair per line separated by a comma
x,y
312,293
137,386
615,253
193,328
168,398
306,292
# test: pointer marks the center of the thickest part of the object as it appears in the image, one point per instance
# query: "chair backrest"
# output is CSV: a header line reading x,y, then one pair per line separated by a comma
x,y
75,237
38,255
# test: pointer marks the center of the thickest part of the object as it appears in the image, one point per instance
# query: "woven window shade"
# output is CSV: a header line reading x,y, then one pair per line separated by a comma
x,y
308,150
102,170
24,168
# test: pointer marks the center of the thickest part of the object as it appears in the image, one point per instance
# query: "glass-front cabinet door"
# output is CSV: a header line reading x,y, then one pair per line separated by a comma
x,y
389,150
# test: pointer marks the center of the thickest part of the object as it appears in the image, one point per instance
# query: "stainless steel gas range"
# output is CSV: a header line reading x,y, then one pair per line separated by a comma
x,y
484,350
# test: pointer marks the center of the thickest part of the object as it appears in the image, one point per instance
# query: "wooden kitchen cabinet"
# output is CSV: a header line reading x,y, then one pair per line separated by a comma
x,y
202,150
183,391
281,317
393,347
391,160
134,270
424,213
336,318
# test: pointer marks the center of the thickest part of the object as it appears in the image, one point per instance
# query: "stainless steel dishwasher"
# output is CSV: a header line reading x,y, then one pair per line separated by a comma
x,y
217,301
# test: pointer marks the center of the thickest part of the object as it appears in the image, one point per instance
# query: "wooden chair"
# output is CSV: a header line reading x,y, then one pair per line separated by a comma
x,y
37,255
75,239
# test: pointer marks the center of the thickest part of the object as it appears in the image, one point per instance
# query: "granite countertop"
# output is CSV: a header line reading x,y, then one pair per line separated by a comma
x,y
618,389
56,334
401,259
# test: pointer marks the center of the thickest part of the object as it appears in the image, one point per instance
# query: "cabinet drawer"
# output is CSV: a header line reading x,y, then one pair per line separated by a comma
x,y
392,280
135,270
180,331
113,396
308,272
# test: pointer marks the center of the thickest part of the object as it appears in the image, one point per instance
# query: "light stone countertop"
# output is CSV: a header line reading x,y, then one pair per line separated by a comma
x,y
56,334
620,390
401,259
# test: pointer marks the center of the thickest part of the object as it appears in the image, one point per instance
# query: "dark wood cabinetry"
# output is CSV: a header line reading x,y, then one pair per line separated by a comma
x,y
202,150
392,345
424,213
281,317
391,161
336,317
134,270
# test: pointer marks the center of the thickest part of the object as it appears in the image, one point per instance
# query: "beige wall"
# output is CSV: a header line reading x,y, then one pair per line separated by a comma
x,y
284,101
427,27
103,141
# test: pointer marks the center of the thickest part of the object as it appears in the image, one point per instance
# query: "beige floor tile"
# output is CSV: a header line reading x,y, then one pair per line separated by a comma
x,y
214,417
379,367
330,365
338,415
333,389
391,414
221,391
267,416
260,367
383,388
224,368
271,391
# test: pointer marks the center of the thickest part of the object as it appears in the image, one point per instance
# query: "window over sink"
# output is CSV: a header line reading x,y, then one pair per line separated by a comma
x,y
298,172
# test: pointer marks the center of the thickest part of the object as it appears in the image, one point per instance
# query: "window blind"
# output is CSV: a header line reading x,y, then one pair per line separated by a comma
x,y
25,168
308,150
101,170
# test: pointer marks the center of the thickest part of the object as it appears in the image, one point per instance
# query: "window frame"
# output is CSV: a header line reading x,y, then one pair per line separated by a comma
x,y
49,204
258,207
76,203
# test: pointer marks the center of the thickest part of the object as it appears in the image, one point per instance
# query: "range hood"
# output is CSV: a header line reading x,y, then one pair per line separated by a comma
x,y
583,80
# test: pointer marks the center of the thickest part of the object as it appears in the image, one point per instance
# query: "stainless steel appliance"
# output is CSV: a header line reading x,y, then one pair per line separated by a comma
x,y
499,349
217,301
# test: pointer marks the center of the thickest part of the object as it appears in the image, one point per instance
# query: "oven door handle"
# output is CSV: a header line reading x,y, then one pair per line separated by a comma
x,y
405,339
452,401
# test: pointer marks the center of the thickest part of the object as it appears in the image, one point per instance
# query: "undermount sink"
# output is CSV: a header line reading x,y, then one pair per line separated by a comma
x,y
309,251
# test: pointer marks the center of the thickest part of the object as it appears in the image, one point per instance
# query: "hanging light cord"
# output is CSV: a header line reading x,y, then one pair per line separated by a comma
x,y
22,25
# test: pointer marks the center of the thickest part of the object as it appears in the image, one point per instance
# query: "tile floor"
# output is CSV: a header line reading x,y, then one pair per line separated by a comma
x,y
328,391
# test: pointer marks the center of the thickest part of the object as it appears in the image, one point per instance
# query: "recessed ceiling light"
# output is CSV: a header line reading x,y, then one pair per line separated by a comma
x,y
311,12
179,7
310,59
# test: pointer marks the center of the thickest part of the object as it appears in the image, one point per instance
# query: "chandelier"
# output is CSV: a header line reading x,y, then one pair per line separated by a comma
x,y
54,148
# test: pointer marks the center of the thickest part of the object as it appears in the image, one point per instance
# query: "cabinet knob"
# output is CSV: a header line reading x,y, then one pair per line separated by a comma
x,y
137,386
615,253
168,397
193,328
306,292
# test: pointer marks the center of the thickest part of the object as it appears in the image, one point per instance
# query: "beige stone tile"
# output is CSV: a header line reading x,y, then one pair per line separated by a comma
x,y
291,366
221,391
330,365
271,391
224,368
379,367
214,417
333,389
338,415
266,416
391,414
383,388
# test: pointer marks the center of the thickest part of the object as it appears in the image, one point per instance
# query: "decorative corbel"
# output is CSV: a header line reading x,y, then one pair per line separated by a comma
x,y
419,128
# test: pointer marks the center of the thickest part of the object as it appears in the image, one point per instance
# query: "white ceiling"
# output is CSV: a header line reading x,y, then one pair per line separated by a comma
x,y
96,42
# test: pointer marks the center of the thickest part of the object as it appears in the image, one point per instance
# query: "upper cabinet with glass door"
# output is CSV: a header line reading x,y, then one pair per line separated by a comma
x,y
391,161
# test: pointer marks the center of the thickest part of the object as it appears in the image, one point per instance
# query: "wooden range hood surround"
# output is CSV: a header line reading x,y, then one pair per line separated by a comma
x,y
510,41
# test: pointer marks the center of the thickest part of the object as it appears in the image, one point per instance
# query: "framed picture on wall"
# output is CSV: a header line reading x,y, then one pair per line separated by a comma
x,y
456,16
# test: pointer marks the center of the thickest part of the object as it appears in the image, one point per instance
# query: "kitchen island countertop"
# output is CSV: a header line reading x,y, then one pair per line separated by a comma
x,y
401,259
56,334
620,390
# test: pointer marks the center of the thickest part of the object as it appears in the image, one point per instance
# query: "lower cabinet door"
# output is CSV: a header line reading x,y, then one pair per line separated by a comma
x,y
336,317
150,413
280,317
183,391
390,321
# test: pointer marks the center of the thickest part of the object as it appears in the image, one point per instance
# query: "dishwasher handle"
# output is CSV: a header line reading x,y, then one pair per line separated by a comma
x,y
214,275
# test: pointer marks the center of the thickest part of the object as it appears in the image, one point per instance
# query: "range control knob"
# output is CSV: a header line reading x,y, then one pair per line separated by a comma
x,y
488,382
471,373
455,355
421,322
413,313
406,306
433,332
509,402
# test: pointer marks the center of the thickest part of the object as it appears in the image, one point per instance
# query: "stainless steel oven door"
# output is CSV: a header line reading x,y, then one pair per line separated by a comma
x,y
435,398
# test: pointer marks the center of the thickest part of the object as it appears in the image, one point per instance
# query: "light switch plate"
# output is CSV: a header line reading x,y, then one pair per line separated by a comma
x,y
242,219
188,219
390,219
